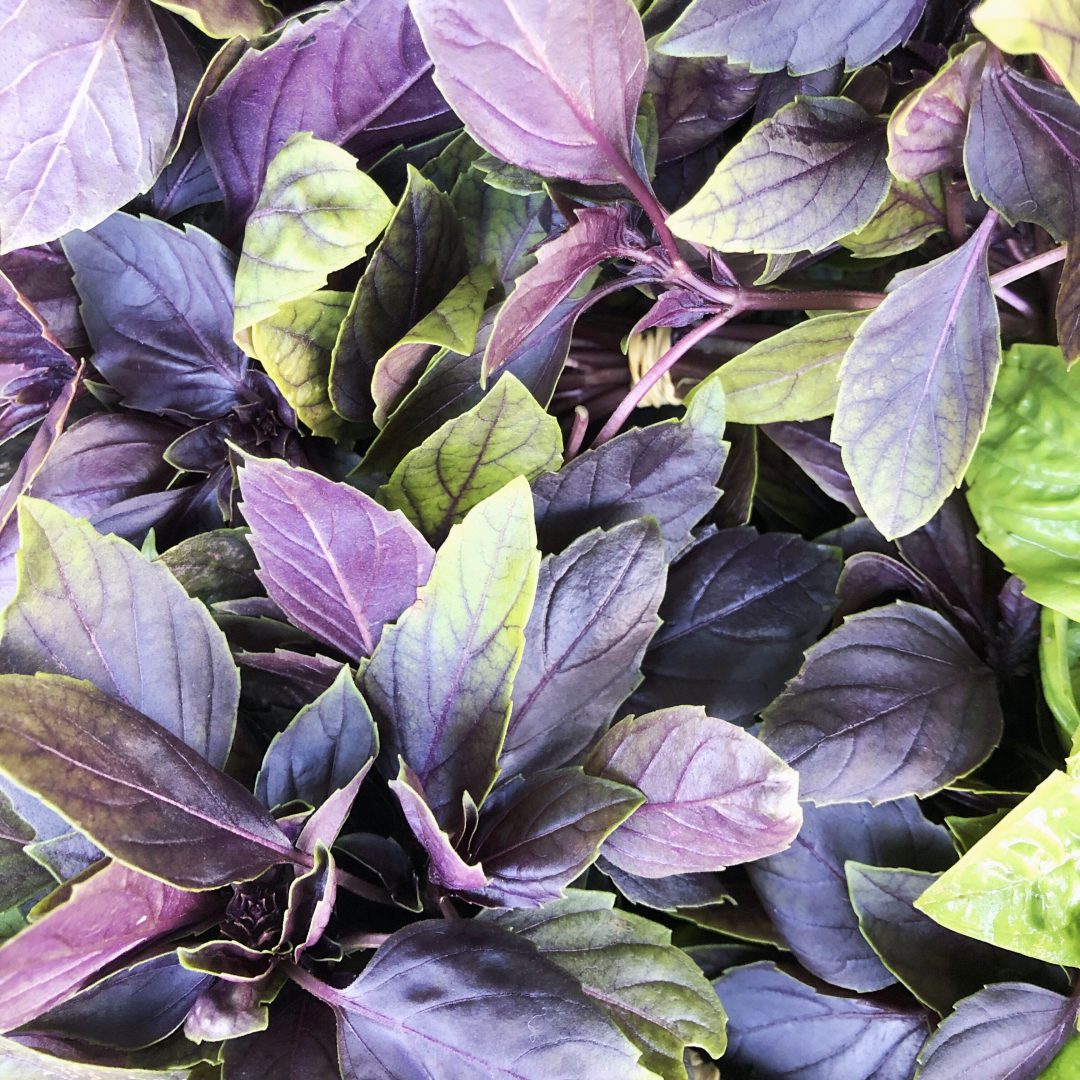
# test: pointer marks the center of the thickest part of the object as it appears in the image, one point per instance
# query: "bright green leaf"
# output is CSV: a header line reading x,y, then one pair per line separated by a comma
x,y
294,346
1024,481
226,18
317,213
911,212
799,180
791,376
1050,28
1059,665
1019,887
472,456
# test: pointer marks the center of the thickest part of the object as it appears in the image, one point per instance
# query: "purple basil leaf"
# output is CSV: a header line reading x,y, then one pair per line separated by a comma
x,y
598,233
300,1043
1022,151
214,566
229,959
775,34
653,992
324,747
185,182
311,899
131,786
230,1010
91,607
447,869
892,703
308,675
779,88
21,878
355,75
536,835
439,682
387,860
157,303
781,1028
669,893
1006,1031
579,666
739,611
915,388
326,822
807,444
433,996
88,113
714,795
43,275
132,1008
905,939
419,259
667,471
337,563
556,97
869,575
108,914
33,367
696,99
805,892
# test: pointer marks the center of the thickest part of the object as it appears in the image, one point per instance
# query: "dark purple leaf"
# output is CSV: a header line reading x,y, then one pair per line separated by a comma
x,y
808,445
434,995
230,1010
446,868
906,940
581,662
157,304
108,914
927,129
669,893
599,233
324,747
185,182
696,99
915,388
387,860
805,892
131,786
714,795
134,1007
773,34
779,88
43,275
88,113
870,578
781,1028
308,675
33,366
739,611
337,563
1022,151
355,75
439,682
214,566
300,1043
536,835
92,607
667,471
556,97
418,261
1007,1031
891,703
738,478
323,826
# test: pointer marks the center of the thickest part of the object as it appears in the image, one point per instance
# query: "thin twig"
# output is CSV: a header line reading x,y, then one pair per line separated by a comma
x,y
1028,266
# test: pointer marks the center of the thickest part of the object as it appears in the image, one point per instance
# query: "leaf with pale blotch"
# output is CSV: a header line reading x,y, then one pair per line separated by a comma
x,y
92,607
1024,480
926,130
440,679
912,212
715,796
790,376
338,564
472,456
317,213
1047,27
558,97
915,388
88,114
1017,887
294,346
452,324
226,18
655,993
799,35
813,172
133,788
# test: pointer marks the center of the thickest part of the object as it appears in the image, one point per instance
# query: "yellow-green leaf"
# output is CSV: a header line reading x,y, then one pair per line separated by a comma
x,y
294,346
911,212
1050,28
226,18
1059,666
317,213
